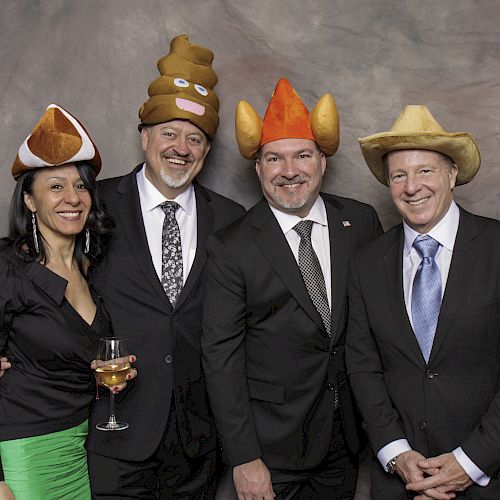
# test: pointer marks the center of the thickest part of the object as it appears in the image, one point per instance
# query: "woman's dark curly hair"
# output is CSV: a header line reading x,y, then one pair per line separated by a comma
x,y
98,223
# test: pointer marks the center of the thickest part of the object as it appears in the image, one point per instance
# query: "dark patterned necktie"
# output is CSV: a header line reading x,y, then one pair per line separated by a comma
x,y
171,254
312,274
426,294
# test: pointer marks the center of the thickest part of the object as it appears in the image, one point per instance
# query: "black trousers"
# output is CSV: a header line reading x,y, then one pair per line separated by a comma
x,y
168,474
333,479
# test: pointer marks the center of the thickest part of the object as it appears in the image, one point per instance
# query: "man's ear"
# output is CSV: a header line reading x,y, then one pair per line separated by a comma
x,y
144,137
322,158
257,167
453,175
207,150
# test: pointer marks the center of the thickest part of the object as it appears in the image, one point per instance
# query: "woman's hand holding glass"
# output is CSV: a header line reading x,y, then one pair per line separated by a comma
x,y
112,370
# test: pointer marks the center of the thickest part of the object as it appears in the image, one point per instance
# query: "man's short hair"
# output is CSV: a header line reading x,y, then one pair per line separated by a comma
x,y
385,161
259,153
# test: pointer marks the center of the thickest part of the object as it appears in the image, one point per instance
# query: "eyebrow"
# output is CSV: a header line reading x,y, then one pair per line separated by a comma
x,y
61,178
177,129
300,151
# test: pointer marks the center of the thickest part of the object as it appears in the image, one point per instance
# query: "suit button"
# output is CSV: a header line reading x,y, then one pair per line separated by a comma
x,y
430,374
330,387
334,352
422,426
174,317
168,359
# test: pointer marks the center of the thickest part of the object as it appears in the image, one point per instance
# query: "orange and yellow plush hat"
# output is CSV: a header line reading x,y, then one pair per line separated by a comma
x,y
287,118
58,138
184,89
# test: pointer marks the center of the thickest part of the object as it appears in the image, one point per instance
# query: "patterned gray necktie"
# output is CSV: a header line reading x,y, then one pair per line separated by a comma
x,y
171,255
312,274
426,294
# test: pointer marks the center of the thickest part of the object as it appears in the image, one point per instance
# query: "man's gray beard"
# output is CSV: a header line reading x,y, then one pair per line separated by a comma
x,y
290,204
174,181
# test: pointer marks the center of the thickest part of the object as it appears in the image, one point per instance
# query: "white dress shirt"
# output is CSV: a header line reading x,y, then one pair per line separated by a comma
x,y
445,233
320,237
153,216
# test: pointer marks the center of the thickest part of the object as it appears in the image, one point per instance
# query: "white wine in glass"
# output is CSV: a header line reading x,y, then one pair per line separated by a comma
x,y
110,372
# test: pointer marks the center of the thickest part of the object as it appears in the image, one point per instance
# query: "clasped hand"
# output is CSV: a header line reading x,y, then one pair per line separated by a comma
x,y
434,478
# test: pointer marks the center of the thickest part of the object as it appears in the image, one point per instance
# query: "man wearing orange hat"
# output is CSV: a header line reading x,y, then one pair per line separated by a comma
x,y
275,312
151,284
423,344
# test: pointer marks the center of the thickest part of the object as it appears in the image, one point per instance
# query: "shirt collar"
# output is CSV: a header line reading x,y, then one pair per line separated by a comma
x,y
444,232
316,214
151,197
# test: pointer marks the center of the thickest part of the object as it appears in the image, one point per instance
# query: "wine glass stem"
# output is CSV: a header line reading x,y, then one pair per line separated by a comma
x,y
112,418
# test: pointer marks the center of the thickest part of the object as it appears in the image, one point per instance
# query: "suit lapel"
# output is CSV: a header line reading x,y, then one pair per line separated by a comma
x,y
340,254
394,270
128,212
204,225
464,252
270,239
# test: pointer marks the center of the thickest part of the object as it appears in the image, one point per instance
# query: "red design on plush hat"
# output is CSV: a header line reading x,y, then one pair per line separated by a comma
x,y
287,118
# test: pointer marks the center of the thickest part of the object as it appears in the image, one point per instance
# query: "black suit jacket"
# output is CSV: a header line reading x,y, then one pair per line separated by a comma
x,y
454,400
166,340
271,369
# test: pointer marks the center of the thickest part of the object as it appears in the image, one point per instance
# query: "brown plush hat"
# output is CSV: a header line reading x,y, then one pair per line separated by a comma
x,y
416,128
287,118
184,89
58,138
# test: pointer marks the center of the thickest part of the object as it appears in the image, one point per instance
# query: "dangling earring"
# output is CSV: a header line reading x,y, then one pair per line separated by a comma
x,y
35,236
87,241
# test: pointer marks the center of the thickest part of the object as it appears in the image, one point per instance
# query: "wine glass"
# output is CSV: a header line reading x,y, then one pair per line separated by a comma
x,y
111,371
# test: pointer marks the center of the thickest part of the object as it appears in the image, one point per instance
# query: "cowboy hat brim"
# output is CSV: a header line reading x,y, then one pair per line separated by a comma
x,y
459,146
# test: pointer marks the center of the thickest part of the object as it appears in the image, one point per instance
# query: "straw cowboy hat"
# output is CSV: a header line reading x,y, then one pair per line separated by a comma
x,y
416,128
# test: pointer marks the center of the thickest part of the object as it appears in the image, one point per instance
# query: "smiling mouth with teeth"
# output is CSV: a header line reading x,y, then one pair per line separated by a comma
x,y
69,215
177,161
417,202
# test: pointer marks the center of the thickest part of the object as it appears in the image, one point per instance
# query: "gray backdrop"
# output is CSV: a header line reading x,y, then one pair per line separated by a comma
x,y
97,58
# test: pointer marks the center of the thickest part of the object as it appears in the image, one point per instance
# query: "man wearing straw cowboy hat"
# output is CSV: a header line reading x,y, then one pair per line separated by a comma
x,y
274,312
151,283
423,343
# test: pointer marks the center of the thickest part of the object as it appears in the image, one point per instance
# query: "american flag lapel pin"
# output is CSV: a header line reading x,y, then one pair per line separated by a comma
x,y
346,223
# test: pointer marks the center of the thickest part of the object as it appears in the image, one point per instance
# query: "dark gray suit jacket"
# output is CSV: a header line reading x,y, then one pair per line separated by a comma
x,y
271,369
455,399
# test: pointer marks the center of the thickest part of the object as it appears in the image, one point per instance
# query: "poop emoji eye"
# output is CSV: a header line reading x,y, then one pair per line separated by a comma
x,y
180,82
201,90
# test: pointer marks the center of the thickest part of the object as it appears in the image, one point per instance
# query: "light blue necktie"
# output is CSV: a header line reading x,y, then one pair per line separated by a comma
x,y
426,294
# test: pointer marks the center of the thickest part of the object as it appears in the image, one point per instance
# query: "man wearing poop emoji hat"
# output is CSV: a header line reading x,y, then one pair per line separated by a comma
x,y
423,343
151,283
274,351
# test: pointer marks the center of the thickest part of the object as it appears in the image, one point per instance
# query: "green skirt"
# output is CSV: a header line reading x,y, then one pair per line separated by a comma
x,y
48,467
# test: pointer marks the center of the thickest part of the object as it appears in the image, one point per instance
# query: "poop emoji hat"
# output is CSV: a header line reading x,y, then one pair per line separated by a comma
x,y
287,118
58,138
416,128
183,91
